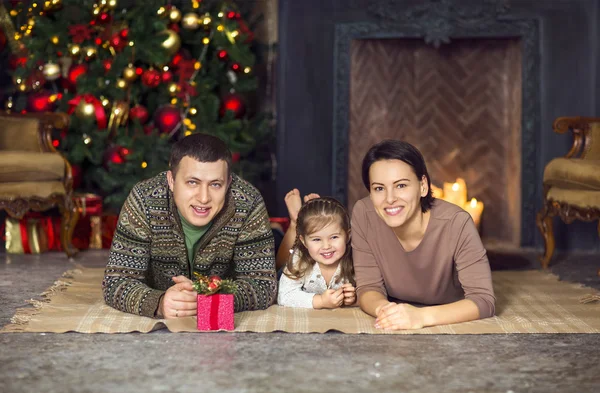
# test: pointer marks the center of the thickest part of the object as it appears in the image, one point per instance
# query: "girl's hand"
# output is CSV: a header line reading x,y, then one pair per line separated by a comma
x,y
349,294
293,203
401,316
331,298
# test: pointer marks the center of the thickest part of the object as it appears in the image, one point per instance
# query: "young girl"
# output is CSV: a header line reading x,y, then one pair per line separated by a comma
x,y
318,273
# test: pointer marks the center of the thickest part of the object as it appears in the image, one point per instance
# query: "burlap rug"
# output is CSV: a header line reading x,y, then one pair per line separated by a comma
x,y
527,302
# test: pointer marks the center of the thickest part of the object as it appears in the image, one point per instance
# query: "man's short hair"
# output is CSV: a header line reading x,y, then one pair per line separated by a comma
x,y
200,147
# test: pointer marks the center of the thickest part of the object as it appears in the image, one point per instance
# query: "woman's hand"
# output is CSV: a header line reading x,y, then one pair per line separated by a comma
x,y
349,294
401,316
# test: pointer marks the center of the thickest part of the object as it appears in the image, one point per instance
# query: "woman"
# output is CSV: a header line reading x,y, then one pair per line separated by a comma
x,y
412,247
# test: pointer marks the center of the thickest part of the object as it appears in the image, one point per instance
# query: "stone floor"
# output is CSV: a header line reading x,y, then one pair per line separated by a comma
x,y
247,362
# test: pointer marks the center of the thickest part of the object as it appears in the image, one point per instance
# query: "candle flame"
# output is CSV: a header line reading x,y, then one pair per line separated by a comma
x,y
455,187
473,203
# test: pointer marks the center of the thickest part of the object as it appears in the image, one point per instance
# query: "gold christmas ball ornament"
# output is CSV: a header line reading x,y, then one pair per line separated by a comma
x,y
190,21
174,15
51,71
129,73
108,5
173,89
122,83
74,50
85,110
90,52
54,39
172,42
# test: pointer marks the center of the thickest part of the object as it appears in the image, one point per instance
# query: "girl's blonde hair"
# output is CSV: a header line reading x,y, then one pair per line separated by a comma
x,y
315,215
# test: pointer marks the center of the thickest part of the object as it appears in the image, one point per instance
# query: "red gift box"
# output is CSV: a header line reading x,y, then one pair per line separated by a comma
x,y
215,312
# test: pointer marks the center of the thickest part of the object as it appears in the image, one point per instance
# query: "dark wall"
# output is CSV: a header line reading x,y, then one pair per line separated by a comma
x,y
570,86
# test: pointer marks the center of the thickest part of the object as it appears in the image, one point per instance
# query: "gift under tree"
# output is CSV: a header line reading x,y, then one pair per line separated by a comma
x,y
136,77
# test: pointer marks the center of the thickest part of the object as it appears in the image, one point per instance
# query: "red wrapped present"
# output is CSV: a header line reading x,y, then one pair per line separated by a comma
x,y
215,312
109,226
283,221
88,231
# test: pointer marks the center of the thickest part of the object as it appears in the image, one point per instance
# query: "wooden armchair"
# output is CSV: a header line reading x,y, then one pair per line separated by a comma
x,y
33,175
572,183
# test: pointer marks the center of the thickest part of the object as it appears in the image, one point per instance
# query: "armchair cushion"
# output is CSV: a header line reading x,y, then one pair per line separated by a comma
x,y
25,166
20,134
31,189
573,173
580,198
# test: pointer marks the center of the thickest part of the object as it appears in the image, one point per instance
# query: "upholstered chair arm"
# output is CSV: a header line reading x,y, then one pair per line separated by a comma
x,y
586,135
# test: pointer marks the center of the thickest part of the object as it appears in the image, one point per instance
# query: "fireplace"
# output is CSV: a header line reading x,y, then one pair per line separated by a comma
x,y
461,84
459,104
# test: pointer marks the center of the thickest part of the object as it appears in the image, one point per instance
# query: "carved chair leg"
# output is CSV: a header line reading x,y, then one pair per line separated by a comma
x,y
70,215
544,223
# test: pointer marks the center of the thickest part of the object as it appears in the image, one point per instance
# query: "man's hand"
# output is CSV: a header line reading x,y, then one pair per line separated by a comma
x,y
329,299
349,294
180,300
401,316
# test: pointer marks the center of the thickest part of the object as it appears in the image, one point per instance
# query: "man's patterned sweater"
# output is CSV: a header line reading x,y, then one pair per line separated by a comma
x,y
148,249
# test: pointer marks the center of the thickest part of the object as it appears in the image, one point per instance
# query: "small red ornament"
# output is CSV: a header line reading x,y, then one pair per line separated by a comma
x,y
39,102
167,118
114,155
231,15
233,102
76,71
16,62
222,54
140,113
104,18
118,42
166,76
107,64
235,157
236,67
151,78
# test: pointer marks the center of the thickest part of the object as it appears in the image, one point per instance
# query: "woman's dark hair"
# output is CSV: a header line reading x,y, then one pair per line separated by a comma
x,y
392,149
315,215
200,147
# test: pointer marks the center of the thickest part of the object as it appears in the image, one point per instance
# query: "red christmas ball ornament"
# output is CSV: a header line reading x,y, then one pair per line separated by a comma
x,y
231,15
233,102
236,67
167,118
139,113
151,78
39,102
124,33
235,157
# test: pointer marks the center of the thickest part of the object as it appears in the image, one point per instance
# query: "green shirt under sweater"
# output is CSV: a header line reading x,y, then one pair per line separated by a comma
x,y
193,234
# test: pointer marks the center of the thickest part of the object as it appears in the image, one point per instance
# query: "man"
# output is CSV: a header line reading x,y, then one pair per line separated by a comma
x,y
196,217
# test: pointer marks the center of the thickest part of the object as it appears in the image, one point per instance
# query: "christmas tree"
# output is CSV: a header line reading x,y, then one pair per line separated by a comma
x,y
136,77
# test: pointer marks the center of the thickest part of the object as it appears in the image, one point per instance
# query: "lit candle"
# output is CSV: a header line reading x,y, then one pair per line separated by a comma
x,y
474,208
437,192
456,192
